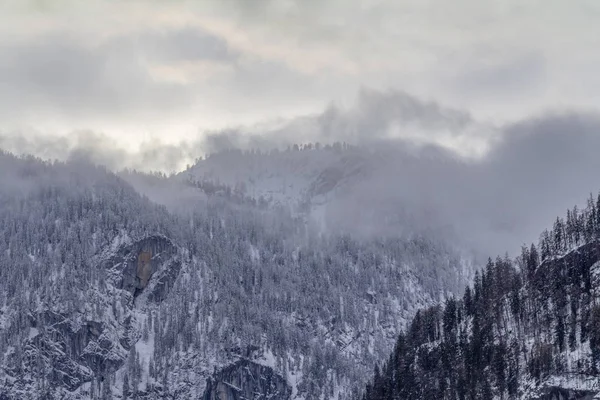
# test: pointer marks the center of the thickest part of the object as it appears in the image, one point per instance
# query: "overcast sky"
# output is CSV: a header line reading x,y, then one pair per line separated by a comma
x,y
169,70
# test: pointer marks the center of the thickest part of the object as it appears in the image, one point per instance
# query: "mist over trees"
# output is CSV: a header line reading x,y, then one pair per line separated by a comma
x,y
324,307
257,278
522,327
488,192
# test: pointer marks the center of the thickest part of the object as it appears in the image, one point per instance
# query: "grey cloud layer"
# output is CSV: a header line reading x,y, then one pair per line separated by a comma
x,y
184,44
107,64
56,75
536,169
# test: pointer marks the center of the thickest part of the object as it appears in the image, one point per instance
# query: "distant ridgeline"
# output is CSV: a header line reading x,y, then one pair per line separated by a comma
x,y
525,329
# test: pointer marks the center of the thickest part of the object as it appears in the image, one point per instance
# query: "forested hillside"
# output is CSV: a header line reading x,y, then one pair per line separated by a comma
x,y
525,329
105,294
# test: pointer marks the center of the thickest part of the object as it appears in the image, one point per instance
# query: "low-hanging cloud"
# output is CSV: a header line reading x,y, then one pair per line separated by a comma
x,y
376,116
542,166
99,148
529,172
498,198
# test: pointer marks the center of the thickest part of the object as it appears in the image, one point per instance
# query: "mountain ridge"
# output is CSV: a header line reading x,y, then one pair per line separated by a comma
x,y
227,277
528,329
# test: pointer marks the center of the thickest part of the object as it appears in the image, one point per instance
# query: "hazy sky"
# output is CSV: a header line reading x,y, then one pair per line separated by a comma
x,y
139,71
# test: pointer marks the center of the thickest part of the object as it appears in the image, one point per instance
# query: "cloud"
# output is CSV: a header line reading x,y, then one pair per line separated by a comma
x,y
529,172
57,77
173,67
508,77
534,171
374,117
101,149
155,84
185,44
544,165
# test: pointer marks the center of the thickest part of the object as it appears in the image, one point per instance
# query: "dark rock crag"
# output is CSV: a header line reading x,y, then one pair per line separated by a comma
x,y
247,380
135,266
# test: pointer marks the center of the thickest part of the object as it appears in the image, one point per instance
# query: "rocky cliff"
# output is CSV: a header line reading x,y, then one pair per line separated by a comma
x,y
74,350
246,380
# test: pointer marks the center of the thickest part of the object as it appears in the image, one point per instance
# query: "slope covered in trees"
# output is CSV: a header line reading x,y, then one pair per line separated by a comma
x,y
525,329
82,316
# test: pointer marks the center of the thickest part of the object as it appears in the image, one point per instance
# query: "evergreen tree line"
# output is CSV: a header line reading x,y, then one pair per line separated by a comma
x,y
520,322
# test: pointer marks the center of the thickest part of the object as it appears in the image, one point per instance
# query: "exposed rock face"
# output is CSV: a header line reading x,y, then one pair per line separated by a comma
x,y
70,353
66,352
583,257
71,349
247,380
144,268
133,266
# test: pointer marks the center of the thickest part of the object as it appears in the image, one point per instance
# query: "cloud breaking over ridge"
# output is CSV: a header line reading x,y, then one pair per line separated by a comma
x,y
514,179
376,116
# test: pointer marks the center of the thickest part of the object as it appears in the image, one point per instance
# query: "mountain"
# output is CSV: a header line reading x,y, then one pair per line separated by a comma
x,y
301,178
525,329
105,293
281,176
377,190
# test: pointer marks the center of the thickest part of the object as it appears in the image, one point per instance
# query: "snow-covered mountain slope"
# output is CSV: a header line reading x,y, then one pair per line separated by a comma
x,y
104,294
298,178
365,191
528,329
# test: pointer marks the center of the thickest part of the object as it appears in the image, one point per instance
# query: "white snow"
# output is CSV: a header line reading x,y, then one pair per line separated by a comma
x,y
33,332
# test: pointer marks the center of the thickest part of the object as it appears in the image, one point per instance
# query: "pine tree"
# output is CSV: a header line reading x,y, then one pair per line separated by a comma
x,y
595,340
560,334
126,389
559,236
106,389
